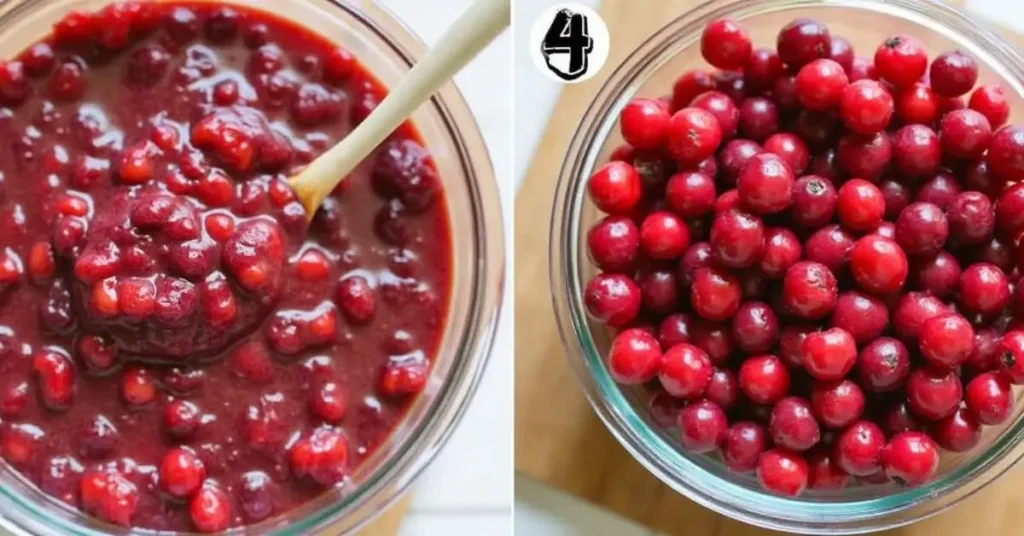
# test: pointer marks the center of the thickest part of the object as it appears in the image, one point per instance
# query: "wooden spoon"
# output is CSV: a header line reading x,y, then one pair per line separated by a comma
x,y
477,27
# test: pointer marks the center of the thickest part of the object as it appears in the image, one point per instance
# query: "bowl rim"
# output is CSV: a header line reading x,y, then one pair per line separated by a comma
x,y
351,509
693,476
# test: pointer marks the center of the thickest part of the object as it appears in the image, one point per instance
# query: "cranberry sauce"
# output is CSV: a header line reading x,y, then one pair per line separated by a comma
x,y
178,349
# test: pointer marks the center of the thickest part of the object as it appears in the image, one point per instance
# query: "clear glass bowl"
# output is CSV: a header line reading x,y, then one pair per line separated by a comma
x,y
388,49
650,71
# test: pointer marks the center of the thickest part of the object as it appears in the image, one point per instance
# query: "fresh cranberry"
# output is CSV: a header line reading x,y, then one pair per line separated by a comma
x,y
861,315
820,85
759,118
933,393
862,68
764,379
615,188
781,250
689,85
878,264
612,299
917,104
938,275
965,134
883,365
825,473
809,290
939,190
791,149
659,292
765,184
614,243
634,356
971,218
922,229
137,387
714,339
910,458
784,94
762,69
675,329
55,378
1005,155
989,397
693,135
732,84
725,44
722,108
210,509
953,74
181,473
685,371
792,425
322,456
946,340
803,41
837,404
702,426
819,130
984,288
733,158
985,353
664,236
990,101
181,418
782,472
697,256
714,294
858,449
109,495
831,246
912,310
866,107
690,194
723,389
814,201
829,355
860,205
755,328
1010,207
901,60
916,150
865,156
958,432
1011,356
645,123
742,445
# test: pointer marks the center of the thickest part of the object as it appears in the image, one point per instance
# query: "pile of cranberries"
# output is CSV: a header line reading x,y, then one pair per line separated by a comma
x,y
811,258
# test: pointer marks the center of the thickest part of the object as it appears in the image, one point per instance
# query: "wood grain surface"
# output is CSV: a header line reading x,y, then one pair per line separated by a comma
x,y
559,440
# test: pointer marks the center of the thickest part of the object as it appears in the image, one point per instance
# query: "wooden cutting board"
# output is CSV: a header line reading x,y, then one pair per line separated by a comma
x,y
559,440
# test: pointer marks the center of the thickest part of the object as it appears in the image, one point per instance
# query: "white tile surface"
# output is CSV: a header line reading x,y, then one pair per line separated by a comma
x,y
468,488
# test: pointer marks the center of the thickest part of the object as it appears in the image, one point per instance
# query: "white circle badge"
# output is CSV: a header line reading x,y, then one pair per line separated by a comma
x,y
569,43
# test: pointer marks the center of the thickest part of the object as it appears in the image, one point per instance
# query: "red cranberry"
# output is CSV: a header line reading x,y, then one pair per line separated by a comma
x,y
825,473
1011,356
858,449
985,354
612,299
946,340
723,389
791,342
971,218
759,119
939,275
792,425
916,151
210,509
755,328
841,52
733,158
614,243
644,123
965,134
765,184
181,473
763,68
865,156
912,311
722,108
862,69
922,229
675,329
782,472
803,41
814,201
809,290
702,426
714,340
819,130
742,446
791,149
764,379
659,292
831,246
730,83
327,402
984,288
689,85
693,135
940,190
910,458
1005,155
837,404
55,378
860,205
917,104
322,456
181,418
1010,207
664,236
690,194
901,60
953,74
725,44
862,316
820,85
866,107
883,365
697,256
685,371
933,393
108,495
989,397
615,188
137,387
714,294
634,356
958,432
781,250
737,239
990,101
829,355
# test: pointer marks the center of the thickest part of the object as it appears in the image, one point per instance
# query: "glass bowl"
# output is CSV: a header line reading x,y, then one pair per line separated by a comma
x,y
649,71
389,49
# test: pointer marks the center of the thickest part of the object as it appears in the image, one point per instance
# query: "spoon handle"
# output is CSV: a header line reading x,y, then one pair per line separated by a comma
x,y
473,31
